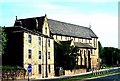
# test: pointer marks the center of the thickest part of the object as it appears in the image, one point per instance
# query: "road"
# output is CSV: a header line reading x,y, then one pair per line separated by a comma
x,y
115,77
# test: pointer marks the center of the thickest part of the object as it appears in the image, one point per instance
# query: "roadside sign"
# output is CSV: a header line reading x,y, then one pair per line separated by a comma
x,y
29,68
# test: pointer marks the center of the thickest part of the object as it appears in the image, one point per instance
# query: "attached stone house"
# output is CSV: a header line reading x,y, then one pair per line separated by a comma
x,y
31,41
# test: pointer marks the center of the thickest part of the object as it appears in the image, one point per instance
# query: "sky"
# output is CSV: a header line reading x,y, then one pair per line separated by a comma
x,y
101,15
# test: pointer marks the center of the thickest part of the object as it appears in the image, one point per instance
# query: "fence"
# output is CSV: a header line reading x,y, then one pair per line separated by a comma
x,y
102,71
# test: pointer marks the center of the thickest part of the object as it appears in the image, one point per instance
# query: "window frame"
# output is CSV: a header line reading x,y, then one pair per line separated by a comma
x,y
49,68
49,42
40,55
29,38
39,68
29,53
45,30
48,55
39,40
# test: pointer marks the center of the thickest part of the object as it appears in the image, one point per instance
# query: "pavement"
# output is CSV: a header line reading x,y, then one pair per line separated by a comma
x,y
65,77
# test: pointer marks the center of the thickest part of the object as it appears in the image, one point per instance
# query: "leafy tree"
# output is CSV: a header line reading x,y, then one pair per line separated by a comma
x,y
111,56
3,39
101,50
65,55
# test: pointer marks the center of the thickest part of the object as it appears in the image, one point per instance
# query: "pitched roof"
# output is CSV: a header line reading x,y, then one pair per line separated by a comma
x,y
17,29
30,23
62,28
83,45
57,27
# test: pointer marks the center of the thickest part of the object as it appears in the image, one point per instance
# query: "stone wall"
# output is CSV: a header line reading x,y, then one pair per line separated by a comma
x,y
77,71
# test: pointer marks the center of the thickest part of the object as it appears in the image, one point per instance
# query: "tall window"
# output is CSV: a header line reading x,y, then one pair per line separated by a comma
x,y
39,68
45,30
29,53
29,39
39,40
49,42
40,55
84,52
48,55
49,68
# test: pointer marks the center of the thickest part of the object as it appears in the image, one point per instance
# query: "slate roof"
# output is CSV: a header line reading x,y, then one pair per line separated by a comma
x,y
62,28
82,45
30,23
77,44
14,29
57,27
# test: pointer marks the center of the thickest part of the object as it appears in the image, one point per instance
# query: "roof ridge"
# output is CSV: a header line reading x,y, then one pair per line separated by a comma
x,y
68,23
31,18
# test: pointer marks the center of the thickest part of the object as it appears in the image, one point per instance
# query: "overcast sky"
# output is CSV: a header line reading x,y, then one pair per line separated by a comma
x,y
102,15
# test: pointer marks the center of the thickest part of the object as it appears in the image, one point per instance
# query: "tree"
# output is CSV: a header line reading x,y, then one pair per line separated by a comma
x,y
65,55
111,56
3,39
101,50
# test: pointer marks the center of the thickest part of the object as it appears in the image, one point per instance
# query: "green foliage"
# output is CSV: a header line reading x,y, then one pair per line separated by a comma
x,y
8,67
65,56
101,49
111,56
4,39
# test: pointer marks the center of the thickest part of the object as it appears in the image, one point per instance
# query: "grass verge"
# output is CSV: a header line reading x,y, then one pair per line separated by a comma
x,y
89,76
